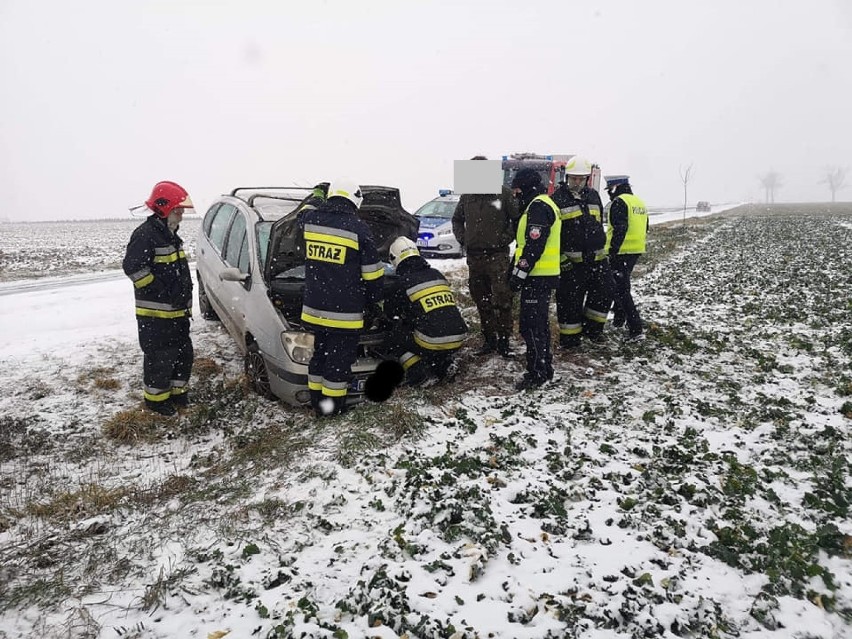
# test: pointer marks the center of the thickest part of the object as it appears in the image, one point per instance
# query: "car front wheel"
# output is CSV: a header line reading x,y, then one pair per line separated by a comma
x,y
256,373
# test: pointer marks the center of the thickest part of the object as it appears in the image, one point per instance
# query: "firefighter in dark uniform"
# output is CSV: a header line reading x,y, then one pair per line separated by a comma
x,y
426,327
484,226
626,234
343,279
585,281
162,282
535,273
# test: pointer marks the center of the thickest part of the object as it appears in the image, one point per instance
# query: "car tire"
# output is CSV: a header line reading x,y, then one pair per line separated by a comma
x,y
207,311
256,372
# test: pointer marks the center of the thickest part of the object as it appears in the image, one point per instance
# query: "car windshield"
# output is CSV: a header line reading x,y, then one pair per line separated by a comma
x,y
262,229
443,210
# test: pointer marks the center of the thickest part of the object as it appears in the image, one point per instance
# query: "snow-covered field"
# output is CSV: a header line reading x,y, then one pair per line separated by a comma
x,y
693,485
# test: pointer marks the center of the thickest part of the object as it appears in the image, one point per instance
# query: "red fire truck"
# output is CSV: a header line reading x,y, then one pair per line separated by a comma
x,y
551,167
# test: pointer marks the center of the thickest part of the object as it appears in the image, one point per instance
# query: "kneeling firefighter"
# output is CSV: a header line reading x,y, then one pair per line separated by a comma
x,y
427,328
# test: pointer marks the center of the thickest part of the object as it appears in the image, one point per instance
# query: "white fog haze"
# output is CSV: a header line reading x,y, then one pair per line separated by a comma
x,y
103,99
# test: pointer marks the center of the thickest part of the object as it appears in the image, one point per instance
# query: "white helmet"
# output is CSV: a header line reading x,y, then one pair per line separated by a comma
x,y
400,249
346,188
578,166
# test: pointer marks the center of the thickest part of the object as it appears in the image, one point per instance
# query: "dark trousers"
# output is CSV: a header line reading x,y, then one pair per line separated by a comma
x,y
331,365
534,326
623,306
489,288
583,299
167,357
424,364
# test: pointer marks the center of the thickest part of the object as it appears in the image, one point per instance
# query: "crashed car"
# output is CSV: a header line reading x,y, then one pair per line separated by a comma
x,y
251,275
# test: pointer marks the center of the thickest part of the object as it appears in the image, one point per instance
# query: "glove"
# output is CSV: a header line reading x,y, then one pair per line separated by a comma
x,y
373,313
516,283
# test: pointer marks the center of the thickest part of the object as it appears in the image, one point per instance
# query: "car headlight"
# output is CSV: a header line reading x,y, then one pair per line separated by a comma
x,y
299,346
445,233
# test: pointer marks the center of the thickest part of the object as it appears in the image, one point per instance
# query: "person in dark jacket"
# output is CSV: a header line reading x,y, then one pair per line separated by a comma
x,y
426,327
483,225
162,282
535,273
626,235
343,279
585,281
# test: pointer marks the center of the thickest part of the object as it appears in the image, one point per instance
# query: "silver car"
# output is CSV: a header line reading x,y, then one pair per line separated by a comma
x,y
435,236
251,271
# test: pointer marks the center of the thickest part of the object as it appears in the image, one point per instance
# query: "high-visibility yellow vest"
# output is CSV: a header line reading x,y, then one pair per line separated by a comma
x,y
548,263
637,226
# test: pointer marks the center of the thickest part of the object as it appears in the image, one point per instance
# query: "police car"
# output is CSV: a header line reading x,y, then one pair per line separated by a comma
x,y
435,236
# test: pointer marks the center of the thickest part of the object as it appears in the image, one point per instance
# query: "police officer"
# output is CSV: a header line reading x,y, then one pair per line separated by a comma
x,y
343,279
626,234
162,282
585,281
484,225
535,272
427,328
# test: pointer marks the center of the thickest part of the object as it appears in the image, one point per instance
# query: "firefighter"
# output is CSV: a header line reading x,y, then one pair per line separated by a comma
x,y
427,328
585,281
626,233
484,225
343,280
162,283
535,272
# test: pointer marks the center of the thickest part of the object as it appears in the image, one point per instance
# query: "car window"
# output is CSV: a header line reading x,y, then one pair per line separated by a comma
x,y
243,261
263,229
208,219
437,209
236,237
219,224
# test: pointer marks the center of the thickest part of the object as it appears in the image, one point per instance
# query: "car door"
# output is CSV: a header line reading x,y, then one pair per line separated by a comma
x,y
235,295
214,232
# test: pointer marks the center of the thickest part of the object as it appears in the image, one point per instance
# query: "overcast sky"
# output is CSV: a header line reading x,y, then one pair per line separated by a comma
x,y
103,99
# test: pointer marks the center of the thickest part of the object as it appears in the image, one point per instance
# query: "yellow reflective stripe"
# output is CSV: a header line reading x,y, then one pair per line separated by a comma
x,y
441,288
411,361
372,276
163,259
314,386
570,329
178,390
436,347
144,281
333,392
331,239
595,316
571,215
150,312
332,323
159,397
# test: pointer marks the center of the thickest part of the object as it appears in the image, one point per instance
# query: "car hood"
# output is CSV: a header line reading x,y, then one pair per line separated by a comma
x,y
433,222
381,210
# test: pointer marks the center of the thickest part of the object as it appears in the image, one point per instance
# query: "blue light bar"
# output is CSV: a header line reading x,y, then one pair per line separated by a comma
x,y
443,192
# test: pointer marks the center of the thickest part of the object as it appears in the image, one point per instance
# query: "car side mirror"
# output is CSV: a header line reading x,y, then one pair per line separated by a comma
x,y
232,274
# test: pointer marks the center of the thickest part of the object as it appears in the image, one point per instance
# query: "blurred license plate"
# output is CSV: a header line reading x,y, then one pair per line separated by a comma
x,y
422,242
357,385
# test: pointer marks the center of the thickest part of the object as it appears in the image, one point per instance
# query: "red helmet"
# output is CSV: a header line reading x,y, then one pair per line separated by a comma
x,y
166,196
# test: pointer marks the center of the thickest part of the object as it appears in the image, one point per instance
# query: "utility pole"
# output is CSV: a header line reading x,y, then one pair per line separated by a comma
x,y
685,175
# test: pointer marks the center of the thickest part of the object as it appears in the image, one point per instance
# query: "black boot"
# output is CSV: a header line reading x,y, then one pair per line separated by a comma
x,y
166,408
488,347
181,401
504,348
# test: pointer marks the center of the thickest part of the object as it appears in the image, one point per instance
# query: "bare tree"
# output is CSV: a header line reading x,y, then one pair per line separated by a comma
x,y
686,175
771,182
835,177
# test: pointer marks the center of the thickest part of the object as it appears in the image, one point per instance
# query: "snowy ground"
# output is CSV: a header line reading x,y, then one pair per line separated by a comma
x,y
696,484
